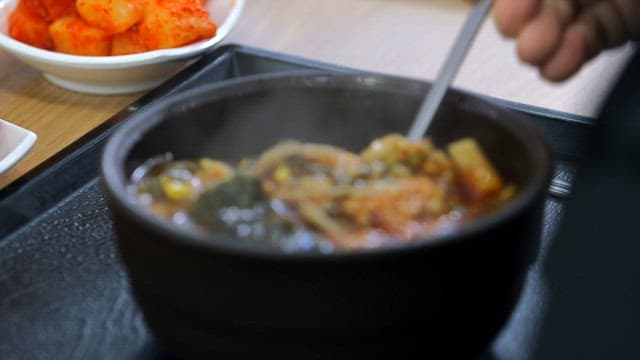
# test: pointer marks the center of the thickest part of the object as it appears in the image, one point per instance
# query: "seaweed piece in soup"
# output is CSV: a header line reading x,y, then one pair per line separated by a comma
x,y
239,207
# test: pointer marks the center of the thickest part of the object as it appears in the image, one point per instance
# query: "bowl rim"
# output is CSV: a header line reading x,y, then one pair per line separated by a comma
x,y
121,61
116,150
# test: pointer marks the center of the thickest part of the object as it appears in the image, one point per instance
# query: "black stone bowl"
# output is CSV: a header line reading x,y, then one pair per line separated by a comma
x,y
210,295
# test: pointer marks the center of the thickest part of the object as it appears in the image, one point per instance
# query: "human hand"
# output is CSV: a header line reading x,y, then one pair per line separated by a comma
x,y
559,36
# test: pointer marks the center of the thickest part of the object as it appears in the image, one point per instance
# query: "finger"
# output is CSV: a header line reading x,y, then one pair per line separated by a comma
x,y
512,15
576,47
611,22
566,10
630,10
541,37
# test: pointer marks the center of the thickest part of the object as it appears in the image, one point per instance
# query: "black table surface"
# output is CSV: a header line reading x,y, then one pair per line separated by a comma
x,y
64,293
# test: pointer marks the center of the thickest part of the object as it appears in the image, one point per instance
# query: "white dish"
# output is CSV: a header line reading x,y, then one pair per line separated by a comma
x,y
117,74
15,143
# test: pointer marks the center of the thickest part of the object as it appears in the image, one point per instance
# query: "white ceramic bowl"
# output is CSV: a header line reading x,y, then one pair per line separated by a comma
x,y
116,74
15,143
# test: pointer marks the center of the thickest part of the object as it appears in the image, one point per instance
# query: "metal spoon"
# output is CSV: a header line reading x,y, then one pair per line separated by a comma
x,y
448,71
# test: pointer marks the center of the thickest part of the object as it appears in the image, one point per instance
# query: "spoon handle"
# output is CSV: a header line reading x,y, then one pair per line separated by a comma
x,y
449,69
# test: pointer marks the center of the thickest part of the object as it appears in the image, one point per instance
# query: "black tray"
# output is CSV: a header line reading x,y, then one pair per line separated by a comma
x,y
63,290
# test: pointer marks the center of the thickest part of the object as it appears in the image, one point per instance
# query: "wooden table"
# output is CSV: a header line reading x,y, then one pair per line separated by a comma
x,y
401,37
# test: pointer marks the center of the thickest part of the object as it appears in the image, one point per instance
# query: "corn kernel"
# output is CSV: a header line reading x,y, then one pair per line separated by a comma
x,y
175,190
282,174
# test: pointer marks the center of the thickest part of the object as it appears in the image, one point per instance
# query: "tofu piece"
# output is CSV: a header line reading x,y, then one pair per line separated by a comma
x,y
476,172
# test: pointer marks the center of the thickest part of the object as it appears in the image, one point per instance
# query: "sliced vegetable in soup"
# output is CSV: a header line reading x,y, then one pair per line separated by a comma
x,y
313,197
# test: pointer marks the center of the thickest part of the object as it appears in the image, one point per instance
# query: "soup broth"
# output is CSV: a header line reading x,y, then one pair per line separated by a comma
x,y
315,197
